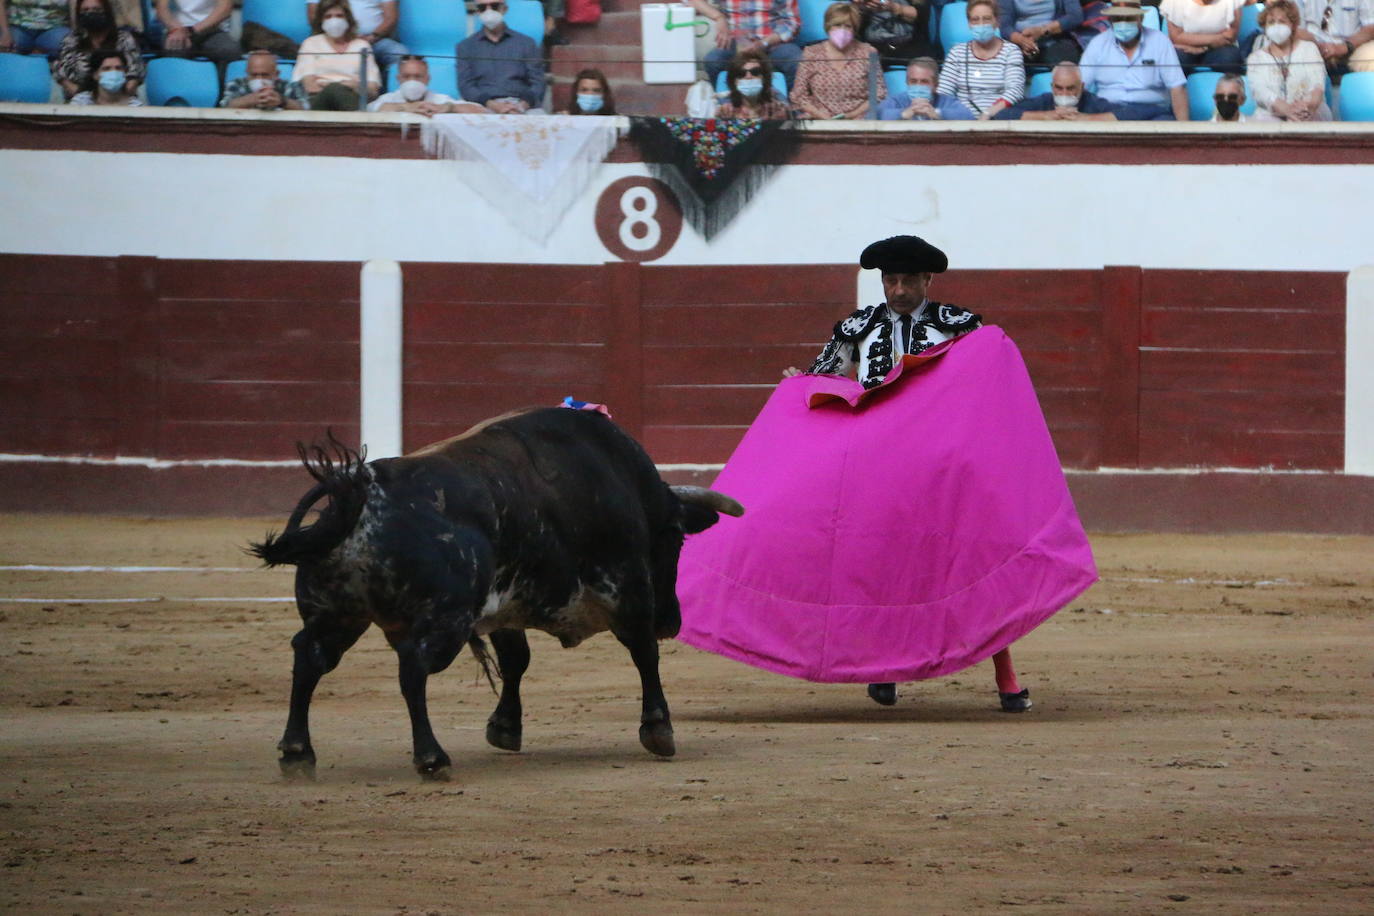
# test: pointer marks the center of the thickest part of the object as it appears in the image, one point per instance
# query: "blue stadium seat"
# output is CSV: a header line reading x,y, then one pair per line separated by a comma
x,y
1249,23
443,75
812,14
1201,88
284,16
954,25
896,81
25,78
1039,84
432,27
196,81
779,84
238,68
1357,97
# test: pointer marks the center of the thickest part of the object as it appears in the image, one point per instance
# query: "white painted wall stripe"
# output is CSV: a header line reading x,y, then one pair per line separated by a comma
x,y
1359,371
381,329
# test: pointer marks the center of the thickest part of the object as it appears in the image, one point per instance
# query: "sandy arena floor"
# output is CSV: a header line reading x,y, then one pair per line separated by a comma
x,y
1200,742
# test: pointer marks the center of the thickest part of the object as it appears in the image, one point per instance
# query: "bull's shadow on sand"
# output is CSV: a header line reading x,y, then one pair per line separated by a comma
x,y
847,705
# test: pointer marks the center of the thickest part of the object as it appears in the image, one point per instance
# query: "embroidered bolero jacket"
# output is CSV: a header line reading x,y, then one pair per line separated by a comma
x,y
868,337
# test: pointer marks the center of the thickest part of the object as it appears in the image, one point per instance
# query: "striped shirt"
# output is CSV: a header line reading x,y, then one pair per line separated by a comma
x,y
980,83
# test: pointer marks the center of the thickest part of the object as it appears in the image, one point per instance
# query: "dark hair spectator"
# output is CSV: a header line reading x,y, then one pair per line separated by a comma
x,y
749,89
107,82
329,60
375,22
591,83
97,29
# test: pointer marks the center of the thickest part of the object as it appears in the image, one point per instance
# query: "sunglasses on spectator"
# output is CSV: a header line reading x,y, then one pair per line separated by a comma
x,y
751,71
481,7
1229,97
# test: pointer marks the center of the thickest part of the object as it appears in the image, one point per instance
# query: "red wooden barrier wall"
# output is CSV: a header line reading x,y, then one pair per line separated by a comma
x,y
206,359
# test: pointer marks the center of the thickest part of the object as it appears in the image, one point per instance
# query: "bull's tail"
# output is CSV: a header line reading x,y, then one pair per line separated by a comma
x,y
342,475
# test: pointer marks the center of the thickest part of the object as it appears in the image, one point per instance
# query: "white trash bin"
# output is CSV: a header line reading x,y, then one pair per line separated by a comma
x,y
669,53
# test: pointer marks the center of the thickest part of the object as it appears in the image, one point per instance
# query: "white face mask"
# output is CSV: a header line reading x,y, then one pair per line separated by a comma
x,y
491,18
258,85
1065,101
413,90
335,26
1278,32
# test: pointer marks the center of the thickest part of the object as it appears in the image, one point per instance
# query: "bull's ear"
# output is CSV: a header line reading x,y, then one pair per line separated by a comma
x,y
697,518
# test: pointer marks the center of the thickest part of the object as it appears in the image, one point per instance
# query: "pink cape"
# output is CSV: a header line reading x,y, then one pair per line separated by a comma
x,y
891,535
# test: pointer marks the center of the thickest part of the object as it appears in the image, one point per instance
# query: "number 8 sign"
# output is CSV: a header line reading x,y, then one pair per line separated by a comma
x,y
638,219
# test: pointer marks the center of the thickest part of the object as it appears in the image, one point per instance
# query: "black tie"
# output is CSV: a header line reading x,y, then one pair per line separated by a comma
x,y
906,333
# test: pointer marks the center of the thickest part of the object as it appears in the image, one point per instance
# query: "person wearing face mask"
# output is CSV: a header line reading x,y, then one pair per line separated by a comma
x,y
262,87
1228,96
376,21
749,90
987,74
1204,33
769,26
96,30
832,77
1287,74
1067,100
328,62
412,93
107,82
591,94
500,68
921,102
1135,64
199,28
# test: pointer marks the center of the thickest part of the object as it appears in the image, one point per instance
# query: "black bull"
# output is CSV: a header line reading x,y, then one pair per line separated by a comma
x,y
551,519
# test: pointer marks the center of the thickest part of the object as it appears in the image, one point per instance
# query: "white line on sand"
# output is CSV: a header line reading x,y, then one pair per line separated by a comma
x,y
150,600
39,567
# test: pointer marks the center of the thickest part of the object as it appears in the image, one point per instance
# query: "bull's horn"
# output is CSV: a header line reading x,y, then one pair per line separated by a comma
x,y
700,496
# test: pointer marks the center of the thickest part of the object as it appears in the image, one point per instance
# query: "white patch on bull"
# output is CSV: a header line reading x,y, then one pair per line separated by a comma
x,y
587,613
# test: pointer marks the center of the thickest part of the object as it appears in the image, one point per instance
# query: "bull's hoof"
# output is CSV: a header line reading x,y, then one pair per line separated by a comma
x,y
298,767
1015,702
657,738
503,735
433,767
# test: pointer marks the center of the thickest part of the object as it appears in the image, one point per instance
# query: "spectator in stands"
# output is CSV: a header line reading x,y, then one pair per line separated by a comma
x,y
749,89
498,67
26,25
1342,30
1228,96
413,94
1068,100
899,31
107,83
743,25
1042,29
921,101
96,30
199,28
262,87
554,11
329,61
1287,75
1135,64
376,21
987,74
1204,33
832,78
591,94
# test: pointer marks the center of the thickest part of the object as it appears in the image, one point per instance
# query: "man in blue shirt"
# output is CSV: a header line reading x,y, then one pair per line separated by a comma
x,y
1067,100
920,101
498,68
1130,63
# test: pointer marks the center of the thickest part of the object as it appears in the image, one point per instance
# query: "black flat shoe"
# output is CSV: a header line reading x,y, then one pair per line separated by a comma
x,y
1015,702
883,694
